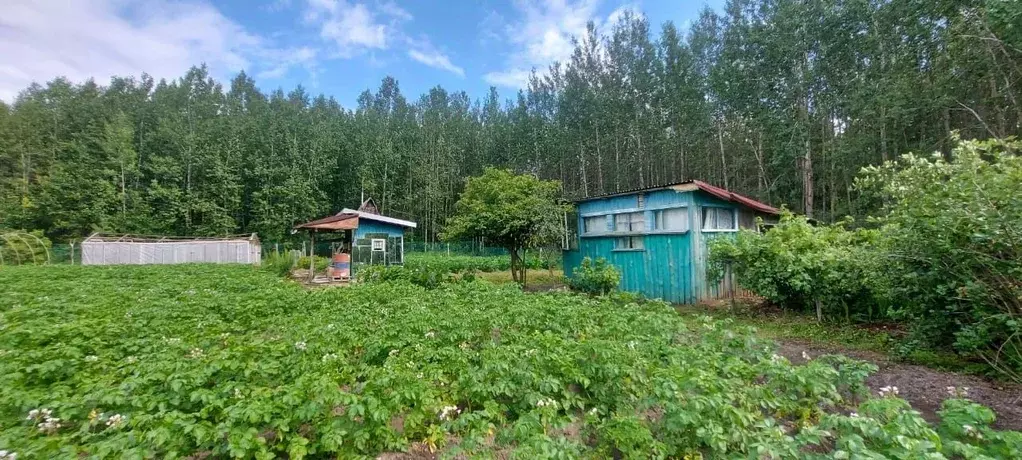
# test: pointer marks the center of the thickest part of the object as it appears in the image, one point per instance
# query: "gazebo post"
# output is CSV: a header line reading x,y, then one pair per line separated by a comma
x,y
312,254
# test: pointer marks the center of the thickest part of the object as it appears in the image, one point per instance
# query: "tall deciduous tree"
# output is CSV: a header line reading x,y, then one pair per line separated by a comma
x,y
783,100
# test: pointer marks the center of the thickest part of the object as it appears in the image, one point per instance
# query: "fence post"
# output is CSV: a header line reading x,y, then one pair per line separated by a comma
x,y
72,252
448,249
731,286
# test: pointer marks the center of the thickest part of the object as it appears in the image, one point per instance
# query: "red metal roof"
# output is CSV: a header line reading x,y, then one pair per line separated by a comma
x,y
736,198
336,222
718,192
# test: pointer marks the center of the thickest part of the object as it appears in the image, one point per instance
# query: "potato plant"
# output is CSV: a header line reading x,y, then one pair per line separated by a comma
x,y
218,361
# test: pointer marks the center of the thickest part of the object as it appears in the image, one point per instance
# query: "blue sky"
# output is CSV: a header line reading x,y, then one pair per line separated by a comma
x,y
334,47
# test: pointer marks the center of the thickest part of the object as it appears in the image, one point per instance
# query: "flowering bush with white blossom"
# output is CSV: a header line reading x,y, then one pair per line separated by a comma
x,y
218,362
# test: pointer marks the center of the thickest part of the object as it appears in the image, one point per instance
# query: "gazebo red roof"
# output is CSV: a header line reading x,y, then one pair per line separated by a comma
x,y
343,221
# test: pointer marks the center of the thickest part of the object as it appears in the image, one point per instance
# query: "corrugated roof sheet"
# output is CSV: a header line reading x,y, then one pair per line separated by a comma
x,y
718,192
335,222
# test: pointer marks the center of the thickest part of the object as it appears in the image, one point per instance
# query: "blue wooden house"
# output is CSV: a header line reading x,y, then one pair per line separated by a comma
x,y
657,237
368,236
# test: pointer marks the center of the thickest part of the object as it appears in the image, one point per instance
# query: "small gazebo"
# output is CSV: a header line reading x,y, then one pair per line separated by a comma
x,y
368,237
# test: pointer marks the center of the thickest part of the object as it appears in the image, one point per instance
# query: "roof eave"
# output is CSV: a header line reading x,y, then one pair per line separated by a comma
x,y
380,218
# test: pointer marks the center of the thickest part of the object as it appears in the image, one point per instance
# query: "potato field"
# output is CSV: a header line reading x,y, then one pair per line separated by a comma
x,y
216,362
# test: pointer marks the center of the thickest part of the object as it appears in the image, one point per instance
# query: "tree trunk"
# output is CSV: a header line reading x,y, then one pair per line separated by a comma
x,y
761,176
723,159
807,179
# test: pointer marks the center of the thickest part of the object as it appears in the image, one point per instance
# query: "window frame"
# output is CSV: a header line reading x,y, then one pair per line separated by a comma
x,y
632,222
631,239
734,220
658,217
600,218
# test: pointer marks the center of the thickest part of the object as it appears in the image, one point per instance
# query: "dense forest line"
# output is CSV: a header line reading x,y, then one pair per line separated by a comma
x,y
783,100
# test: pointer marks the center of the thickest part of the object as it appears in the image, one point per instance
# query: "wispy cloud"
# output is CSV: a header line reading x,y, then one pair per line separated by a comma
x,y
394,11
357,28
543,35
286,59
436,59
352,28
44,39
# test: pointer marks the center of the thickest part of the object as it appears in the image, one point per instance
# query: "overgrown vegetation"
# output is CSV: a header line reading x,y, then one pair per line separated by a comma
x,y
945,257
826,269
221,361
595,277
952,248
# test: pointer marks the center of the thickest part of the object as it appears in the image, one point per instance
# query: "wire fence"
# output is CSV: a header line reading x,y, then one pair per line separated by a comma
x,y
66,253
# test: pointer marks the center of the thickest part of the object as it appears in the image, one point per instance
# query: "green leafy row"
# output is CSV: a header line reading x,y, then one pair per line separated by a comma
x,y
218,361
463,263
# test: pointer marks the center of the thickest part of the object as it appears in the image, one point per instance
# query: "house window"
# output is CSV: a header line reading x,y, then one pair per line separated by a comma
x,y
671,220
716,219
630,222
629,243
594,224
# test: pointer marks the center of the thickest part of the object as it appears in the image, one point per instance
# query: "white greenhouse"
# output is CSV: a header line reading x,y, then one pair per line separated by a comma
x,y
109,249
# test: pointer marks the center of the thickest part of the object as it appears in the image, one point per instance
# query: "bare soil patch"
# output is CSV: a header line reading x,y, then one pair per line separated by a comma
x,y
923,387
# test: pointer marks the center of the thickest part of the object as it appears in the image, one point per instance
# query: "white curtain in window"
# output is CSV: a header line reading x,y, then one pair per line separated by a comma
x,y
718,219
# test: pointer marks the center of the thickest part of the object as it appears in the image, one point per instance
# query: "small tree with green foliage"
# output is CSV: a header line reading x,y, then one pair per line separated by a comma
x,y
516,212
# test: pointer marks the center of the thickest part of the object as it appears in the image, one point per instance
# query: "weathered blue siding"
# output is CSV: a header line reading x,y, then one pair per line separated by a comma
x,y
366,226
672,265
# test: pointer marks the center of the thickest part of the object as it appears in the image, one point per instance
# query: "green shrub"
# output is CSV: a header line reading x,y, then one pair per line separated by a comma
x,y
595,277
320,263
800,266
951,232
279,264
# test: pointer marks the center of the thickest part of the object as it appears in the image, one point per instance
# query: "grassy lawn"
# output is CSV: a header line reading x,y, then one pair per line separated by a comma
x,y
536,278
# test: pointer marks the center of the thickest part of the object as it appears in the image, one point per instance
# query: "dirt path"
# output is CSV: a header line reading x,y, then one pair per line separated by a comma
x,y
921,386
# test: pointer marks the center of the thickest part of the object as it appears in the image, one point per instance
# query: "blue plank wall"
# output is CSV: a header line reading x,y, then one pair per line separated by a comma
x,y
366,226
672,266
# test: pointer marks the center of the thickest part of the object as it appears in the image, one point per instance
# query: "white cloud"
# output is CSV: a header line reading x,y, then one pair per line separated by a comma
x,y
353,28
434,58
543,36
491,28
286,59
514,78
393,10
43,39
